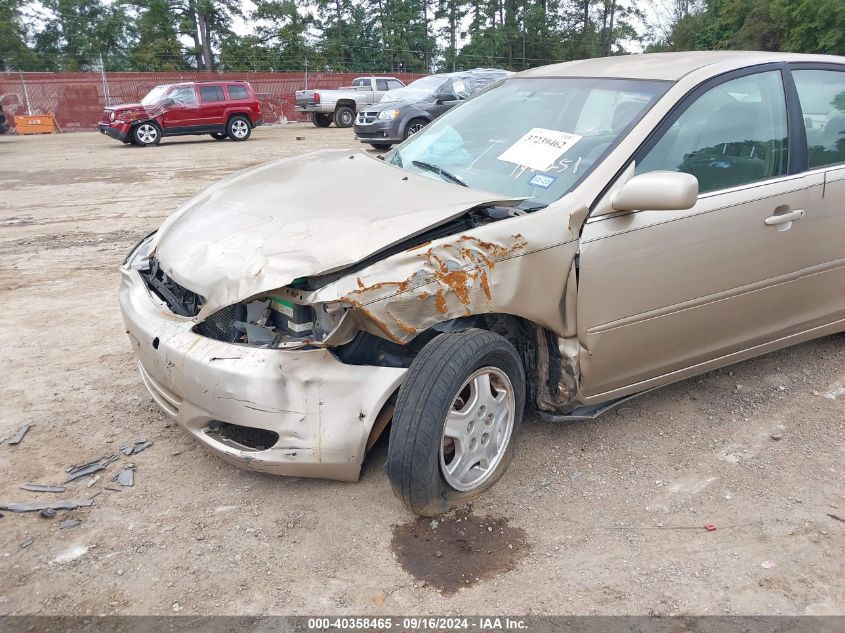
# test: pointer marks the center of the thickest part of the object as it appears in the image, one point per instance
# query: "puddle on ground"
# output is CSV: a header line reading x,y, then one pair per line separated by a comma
x,y
459,549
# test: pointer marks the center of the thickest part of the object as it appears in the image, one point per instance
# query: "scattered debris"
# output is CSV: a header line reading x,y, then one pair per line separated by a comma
x,y
72,554
27,543
139,445
37,506
126,477
836,517
710,527
93,480
767,564
776,436
83,470
47,513
17,436
42,487
68,523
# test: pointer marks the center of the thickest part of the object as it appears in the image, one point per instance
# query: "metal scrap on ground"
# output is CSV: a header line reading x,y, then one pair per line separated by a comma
x,y
69,523
126,477
17,436
37,506
139,445
42,487
82,470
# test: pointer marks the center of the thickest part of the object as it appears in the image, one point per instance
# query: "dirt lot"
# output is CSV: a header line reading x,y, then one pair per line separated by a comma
x,y
602,517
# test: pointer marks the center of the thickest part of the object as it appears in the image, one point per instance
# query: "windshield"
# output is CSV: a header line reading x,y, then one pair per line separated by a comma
x,y
154,96
530,138
416,90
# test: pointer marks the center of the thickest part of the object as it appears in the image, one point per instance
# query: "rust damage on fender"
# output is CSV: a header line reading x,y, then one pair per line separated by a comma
x,y
453,278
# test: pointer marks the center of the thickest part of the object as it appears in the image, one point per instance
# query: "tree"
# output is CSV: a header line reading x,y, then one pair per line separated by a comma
x,y
452,12
158,46
76,35
812,26
15,54
208,23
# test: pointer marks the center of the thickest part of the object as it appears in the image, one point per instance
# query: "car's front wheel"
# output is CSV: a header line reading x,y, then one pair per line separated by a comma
x,y
146,133
321,120
238,128
455,419
414,126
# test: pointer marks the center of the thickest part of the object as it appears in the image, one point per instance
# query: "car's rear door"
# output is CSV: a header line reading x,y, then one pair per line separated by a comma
x,y
821,93
665,292
212,107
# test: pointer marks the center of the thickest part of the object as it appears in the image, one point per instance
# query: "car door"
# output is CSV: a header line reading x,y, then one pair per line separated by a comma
x,y
380,88
212,107
821,93
182,112
662,293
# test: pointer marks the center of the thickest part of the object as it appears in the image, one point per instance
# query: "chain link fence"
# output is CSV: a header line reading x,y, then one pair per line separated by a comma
x,y
77,99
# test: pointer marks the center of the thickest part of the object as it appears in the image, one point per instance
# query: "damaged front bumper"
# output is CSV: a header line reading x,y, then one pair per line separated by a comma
x,y
290,412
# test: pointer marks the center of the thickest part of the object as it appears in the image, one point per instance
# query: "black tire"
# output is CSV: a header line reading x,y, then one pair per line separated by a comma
x,y
238,128
414,126
381,146
219,136
321,120
434,380
146,133
344,116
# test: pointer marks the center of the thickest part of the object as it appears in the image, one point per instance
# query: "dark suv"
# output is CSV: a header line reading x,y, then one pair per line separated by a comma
x,y
223,109
405,111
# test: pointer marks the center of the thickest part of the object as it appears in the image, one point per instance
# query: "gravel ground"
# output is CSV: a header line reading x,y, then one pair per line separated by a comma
x,y
604,517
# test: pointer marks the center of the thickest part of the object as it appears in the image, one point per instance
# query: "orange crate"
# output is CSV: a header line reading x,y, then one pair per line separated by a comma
x,y
36,124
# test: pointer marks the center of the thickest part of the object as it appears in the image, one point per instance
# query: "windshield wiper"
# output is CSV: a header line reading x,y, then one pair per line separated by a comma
x,y
439,171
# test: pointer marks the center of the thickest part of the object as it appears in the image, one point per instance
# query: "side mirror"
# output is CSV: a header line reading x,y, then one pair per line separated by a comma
x,y
657,191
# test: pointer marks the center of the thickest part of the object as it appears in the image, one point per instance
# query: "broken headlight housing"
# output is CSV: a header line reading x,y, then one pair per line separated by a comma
x,y
274,322
139,254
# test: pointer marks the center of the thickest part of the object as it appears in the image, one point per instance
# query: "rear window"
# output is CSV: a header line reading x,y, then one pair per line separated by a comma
x,y
237,92
211,93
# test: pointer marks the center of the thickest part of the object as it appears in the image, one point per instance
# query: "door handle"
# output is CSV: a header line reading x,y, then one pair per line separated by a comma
x,y
784,218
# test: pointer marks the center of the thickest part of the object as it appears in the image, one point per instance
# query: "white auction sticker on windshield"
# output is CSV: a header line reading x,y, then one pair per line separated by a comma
x,y
539,148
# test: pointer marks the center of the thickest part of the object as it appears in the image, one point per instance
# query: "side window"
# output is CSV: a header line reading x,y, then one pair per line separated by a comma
x,y
237,92
211,93
381,84
183,95
822,96
361,81
393,84
734,134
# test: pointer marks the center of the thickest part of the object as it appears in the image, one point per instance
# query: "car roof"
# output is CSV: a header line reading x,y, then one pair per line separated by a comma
x,y
203,82
667,66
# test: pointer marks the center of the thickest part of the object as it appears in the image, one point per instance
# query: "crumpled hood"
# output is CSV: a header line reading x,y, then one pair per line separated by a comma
x,y
260,229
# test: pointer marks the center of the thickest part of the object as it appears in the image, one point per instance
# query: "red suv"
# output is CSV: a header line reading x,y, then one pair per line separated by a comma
x,y
223,109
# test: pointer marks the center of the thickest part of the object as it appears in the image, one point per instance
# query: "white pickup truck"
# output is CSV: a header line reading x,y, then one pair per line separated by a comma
x,y
341,105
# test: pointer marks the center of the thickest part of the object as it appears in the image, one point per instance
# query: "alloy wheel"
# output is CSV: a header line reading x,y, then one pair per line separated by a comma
x,y
478,429
239,128
147,134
